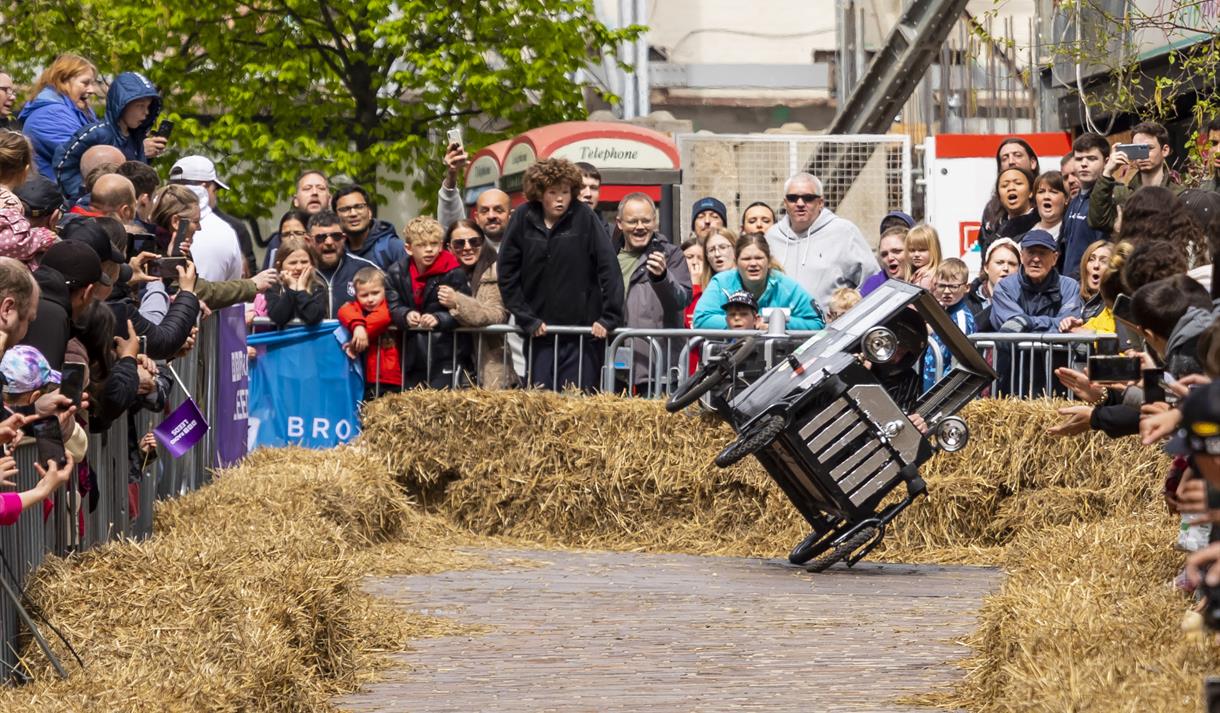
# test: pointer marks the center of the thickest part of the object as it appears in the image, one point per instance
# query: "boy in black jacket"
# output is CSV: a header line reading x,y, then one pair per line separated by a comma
x,y
412,286
557,267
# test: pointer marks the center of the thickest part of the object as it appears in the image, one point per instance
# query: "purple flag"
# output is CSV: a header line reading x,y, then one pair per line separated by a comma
x,y
232,387
181,429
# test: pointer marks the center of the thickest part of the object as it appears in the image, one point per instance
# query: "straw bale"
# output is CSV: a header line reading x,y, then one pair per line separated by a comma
x,y
248,599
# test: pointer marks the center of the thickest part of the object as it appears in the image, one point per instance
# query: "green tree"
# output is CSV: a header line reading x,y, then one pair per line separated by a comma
x,y
360,87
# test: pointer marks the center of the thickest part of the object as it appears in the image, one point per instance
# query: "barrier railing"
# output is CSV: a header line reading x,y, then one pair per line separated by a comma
x,y
96,505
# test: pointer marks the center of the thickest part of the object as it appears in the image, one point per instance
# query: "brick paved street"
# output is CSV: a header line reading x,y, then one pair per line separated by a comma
x,y
596,631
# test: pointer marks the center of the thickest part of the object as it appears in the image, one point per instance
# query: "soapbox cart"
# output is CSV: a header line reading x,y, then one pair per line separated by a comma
x,y
834,423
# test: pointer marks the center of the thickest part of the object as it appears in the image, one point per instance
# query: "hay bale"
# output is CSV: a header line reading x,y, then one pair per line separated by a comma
x,y
248,599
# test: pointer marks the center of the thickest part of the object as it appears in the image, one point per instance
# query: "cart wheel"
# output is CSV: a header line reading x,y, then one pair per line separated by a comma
x,y
806,548
842,550
765,431
709,375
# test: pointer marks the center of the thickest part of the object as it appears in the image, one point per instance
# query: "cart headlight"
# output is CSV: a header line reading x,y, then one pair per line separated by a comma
x,y
879,345
952,434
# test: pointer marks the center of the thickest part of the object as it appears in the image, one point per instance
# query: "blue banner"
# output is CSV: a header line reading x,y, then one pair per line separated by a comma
x,y
304,390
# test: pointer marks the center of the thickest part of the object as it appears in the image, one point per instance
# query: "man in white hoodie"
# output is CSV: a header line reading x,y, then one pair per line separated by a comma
x,y
215,248
815,247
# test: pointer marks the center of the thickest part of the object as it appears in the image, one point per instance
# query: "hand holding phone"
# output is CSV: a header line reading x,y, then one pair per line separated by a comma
x,y
1135,152
1115,369
164,129
454,138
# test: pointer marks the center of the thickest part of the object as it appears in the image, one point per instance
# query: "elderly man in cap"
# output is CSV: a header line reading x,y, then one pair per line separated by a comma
x,y
215,247
706,216
1035,298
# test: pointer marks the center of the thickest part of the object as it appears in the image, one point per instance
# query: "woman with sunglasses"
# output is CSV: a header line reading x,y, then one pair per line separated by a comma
x,y
466,241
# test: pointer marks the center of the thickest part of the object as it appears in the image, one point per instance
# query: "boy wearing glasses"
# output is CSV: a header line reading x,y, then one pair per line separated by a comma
x,y
815,247
952,282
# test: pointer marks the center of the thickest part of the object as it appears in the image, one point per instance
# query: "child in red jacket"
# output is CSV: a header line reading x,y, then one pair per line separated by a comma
x,y
368,319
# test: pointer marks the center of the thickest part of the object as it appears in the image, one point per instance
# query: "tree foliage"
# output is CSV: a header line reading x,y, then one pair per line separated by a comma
x,y
363,88
1113,40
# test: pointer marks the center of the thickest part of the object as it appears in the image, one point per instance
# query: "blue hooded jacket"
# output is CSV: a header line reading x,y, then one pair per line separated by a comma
x,y
381,246
49,120
127,87
781,291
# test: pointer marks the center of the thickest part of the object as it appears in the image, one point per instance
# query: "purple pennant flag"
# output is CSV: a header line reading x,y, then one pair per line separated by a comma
x,y
181,429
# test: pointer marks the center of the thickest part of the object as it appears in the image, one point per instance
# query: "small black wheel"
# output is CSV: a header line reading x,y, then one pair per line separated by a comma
x,y
709,375
806,548
842,550
760,435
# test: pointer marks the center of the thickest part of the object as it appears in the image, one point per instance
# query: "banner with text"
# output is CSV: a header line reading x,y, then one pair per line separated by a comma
x,y
232,387
304,390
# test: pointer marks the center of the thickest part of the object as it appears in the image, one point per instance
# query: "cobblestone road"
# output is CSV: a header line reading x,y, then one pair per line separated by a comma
x,y
607,632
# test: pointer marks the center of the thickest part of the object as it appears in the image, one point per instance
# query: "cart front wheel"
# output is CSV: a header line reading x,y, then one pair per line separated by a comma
x,y
807,548
709,375
842,550
759,436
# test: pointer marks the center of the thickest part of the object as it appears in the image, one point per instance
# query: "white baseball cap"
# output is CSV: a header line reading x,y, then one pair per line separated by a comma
x,y
195,168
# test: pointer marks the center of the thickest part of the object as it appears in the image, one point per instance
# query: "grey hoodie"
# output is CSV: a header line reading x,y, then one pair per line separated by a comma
x,y
831,253
1181,349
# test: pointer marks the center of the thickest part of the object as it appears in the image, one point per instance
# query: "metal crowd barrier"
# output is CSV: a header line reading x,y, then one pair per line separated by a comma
x,y
73,521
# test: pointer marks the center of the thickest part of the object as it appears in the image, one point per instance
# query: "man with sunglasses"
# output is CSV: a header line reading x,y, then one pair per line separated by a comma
x,y
367,237
336,266
817,248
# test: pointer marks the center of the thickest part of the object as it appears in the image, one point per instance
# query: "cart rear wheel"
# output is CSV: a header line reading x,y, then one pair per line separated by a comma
x,y
807,548
761,434
842,550
709,375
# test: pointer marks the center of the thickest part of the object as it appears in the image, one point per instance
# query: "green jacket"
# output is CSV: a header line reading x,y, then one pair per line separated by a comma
x,y
1108,194
218,295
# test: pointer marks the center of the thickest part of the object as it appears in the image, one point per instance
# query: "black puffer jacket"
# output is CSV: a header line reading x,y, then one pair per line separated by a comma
x,y
437,343
164,339
565,275
52,327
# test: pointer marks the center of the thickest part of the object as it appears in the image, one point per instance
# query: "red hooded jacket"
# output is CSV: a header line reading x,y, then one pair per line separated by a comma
x,y
382,363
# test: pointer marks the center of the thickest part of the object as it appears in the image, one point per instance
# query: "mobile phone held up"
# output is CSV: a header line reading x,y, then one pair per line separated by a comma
x,y
164,129
72,381
1135,152
166,267
1115,369
454,139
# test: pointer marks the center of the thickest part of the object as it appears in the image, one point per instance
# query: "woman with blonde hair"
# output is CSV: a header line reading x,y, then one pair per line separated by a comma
x,y
923,256
58,106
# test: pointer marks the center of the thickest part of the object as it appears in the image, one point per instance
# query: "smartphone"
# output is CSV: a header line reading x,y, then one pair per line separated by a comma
x,y
455,138
179,237
1135,152
1115,369
1154,388
72,381
1122,309
165,267
44,428
143,344
164,129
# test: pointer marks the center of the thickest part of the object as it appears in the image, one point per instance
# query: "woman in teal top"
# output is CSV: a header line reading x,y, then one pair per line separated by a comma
x,y
756,275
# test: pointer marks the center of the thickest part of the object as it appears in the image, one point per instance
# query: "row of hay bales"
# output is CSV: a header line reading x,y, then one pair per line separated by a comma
x,y
1086,619
248,598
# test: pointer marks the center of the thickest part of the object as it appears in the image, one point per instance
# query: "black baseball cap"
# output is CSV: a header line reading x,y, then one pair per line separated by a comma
x,y
742,298
1200,429
76,261
89,232
40,196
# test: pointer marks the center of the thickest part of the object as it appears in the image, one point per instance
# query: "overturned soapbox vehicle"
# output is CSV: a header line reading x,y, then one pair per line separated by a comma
x,y
833,423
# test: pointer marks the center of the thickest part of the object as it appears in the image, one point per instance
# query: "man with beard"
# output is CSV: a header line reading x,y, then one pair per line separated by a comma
x,y
336,267
369,238
313,195
491,209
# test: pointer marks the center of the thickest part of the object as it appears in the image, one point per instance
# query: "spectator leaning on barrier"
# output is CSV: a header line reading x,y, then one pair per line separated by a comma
x,y
817,248
69,273
557,267
215,247
741,312
1013,152
367,237
413,286
755,273
132,107
335,266
368,320
1091,152
1108,194
1095,314
300,292
892,254
706,216
59,105
312,195
656,280
1037,298
483,308
1171,314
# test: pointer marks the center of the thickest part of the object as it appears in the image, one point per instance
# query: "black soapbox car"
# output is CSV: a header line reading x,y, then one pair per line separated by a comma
x,y
832,423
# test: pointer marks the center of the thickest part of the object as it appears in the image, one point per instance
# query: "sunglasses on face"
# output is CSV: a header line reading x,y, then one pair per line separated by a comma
x,y
321,237
465,243
807,197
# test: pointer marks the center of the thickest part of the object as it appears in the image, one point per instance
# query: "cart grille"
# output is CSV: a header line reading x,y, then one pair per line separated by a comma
x,y
846,447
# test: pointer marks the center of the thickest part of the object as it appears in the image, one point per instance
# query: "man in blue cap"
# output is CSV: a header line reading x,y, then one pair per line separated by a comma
x,y
707,215
1036,298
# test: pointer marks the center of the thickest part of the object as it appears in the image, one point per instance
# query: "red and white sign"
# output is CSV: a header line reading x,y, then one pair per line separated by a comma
x,y
960,173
